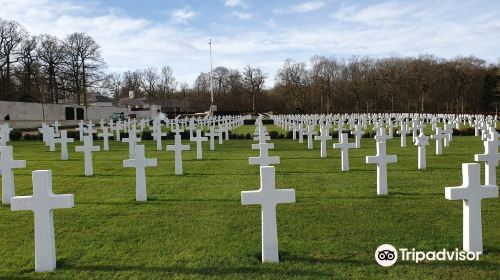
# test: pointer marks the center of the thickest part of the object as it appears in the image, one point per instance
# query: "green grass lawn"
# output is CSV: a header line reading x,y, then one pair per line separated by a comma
x,y
194,226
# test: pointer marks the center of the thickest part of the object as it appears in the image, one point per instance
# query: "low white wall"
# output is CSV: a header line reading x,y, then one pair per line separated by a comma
x,y
30,115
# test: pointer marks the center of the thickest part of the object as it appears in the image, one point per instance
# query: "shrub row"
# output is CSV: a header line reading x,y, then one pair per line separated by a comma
x,y
16,134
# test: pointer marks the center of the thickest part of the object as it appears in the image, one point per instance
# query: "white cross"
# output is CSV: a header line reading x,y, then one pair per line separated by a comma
x,y
381,159
261,133
105,136
421,142
191,128
490,158
268,197
471,192
56,125
438,137
132,141
42,203
43,130
7,163
90,129
140,162
448,132
177,130
323,137
80,129
263,159
225,129
50,138
5,131
220,131
381,136
344,145
87,150
157,135
178,148
310,133
403,132
358,133
199,139
211,134
118,128
102,123
340,128
300,131
64,140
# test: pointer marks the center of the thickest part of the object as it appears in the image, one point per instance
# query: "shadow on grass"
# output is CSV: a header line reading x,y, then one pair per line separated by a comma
x,y
206,271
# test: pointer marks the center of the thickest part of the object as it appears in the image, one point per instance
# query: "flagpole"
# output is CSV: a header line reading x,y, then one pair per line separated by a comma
x,y
211,81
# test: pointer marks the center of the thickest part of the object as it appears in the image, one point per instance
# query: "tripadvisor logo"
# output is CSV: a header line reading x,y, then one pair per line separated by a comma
x,y
386,255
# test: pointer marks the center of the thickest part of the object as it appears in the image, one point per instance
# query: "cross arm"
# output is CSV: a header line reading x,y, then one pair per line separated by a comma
x,y
20,203
63,200
251,197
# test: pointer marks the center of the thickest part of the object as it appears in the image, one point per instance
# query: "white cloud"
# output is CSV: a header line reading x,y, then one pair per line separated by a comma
x,y
183,15
386,12
301,8
383,29
242,16
234,3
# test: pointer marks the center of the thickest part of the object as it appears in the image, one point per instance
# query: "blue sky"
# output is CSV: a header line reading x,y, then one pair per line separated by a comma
x,y
141,34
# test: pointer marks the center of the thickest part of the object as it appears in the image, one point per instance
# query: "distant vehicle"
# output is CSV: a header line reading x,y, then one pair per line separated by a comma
x,y
118,116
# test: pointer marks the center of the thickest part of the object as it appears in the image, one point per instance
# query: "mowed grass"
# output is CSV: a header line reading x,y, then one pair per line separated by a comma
x,y
194,226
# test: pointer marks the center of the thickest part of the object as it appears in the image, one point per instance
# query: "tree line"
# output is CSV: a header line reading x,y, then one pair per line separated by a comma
x,y
45,68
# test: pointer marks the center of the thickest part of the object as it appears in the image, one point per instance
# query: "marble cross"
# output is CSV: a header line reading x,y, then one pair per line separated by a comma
x,y
118,128
140,162
199,139
42,203
105,136
471,192
132,141
7,163
56,126
438,137
263,159
178,148
268,197
300,131
490,158
344,145
80,129
64,140
157,135
220,132
43,131
381,159
51,135
358,133
403,132
211,134
310,133
421,142
323,137
87,150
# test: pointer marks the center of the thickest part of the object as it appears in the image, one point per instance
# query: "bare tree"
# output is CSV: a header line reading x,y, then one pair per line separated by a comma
x,y
11,36
253,82
168,83
51,58
84,64
113,83
150,82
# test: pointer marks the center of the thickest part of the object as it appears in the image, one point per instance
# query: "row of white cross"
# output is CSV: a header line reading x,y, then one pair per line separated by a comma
x,y
471,191
43,201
